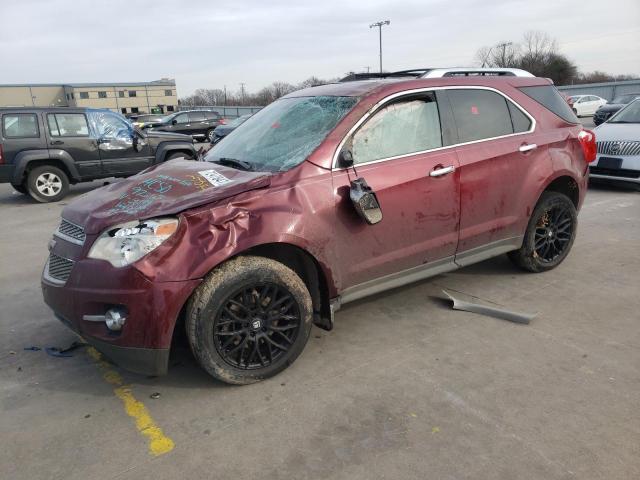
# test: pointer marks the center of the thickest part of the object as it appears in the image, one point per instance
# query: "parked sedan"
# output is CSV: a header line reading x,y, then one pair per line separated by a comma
x,y
586,105
197,123
606,111
222,131
619,147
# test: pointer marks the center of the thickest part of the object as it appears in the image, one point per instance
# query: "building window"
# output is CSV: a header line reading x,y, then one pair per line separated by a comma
x,y
134,109
102,94
84,94
72,97
68,98
121,93
169,108
123,110
168,93
132,93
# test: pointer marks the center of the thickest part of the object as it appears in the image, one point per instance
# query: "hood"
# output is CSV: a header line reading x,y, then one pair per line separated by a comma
x,y
165,189
159,134
610,107
223,130
617,131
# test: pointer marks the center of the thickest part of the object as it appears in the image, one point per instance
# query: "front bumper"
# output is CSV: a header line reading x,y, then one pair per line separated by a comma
x,y
6,173
94,286
628,171
146,361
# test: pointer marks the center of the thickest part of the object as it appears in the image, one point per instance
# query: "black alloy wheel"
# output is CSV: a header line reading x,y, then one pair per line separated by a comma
x,y
249,319
550,234
256,325
553,233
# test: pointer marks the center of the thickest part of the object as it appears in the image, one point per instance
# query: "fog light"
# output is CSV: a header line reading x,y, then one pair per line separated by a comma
x,y
115,318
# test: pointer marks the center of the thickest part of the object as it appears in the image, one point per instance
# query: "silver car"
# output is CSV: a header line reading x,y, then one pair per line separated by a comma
x,y
618,141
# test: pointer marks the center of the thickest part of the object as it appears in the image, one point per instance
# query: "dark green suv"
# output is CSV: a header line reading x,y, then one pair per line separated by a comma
x,y
43,150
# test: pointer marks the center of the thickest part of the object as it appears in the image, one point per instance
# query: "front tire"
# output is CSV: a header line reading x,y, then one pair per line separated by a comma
x,y
550,234
47,184
175,155
249,320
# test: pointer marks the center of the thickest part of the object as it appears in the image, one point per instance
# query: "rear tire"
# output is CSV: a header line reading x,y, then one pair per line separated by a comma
x,y
249,320
549,235
47,184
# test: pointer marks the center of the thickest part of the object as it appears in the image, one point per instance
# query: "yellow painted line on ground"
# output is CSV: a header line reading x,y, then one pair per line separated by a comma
x,y
159,443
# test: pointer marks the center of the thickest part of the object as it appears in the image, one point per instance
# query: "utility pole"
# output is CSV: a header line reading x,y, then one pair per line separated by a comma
x,y
225,95
368,68
379,25
503,46
242,91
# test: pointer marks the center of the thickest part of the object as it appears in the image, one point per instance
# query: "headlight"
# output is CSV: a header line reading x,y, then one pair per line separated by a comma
x,y
124,244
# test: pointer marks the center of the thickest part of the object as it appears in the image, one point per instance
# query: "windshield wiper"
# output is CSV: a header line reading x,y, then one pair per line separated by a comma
x,y
235,163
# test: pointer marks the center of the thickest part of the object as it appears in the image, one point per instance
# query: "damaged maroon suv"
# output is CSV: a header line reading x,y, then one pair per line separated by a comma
x,y
326,196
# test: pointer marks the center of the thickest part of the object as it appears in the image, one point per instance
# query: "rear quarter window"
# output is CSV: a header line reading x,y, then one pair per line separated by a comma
x,y
20,125
549,97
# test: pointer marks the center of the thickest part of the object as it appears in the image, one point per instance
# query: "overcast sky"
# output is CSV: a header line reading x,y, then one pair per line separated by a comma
x,y
210,44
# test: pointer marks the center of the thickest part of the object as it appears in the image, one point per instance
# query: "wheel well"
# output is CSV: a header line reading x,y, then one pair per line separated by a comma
x,y
567,186
307,269
39,163
189,153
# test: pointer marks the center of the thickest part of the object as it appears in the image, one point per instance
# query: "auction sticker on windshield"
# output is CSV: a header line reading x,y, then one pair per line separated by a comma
x,y
214,178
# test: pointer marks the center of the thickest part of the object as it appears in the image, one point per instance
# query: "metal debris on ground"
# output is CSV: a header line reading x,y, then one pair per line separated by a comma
x,y
155,395
500,313
65,352
32,348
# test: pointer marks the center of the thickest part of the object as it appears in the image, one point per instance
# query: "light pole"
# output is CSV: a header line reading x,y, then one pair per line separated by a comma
x,y
242,84
379,25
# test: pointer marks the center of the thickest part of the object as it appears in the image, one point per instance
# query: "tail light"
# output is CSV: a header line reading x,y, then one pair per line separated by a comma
x,y
223,121
588,142
1,155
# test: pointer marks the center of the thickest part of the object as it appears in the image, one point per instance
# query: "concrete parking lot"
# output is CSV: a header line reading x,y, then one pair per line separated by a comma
x,y
402,388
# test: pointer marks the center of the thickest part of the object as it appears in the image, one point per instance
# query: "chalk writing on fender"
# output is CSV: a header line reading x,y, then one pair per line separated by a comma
x,y
199,182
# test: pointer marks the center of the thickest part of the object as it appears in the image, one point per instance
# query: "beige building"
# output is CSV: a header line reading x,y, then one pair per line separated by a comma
x,y
159,96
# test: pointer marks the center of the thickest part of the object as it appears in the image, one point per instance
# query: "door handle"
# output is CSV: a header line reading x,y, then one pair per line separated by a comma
x,y
527,147
438,172
57,142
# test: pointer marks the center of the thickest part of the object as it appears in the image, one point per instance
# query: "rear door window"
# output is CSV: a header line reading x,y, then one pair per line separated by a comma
x,y
182,118
196,116
549,97
68,125
400,128
480,114
20,125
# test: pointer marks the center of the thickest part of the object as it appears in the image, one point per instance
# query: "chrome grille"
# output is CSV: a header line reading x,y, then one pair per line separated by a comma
x,y
59,268
619,147
71,232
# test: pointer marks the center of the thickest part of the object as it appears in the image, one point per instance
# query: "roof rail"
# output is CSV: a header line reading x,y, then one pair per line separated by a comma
x,y
441,72
472,72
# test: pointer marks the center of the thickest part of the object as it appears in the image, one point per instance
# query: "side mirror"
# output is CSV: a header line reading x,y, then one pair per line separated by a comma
x,y
365,201
345,158
174,122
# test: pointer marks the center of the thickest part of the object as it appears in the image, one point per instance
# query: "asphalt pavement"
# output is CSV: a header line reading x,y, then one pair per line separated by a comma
x,y
404,387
